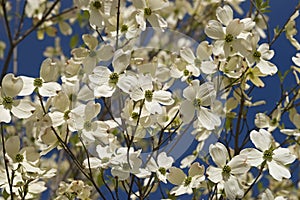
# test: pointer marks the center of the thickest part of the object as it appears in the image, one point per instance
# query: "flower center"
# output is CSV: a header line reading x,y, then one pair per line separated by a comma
x,y
268,155
228,38
226,172
134,115
256,54
197,102
87,125
162,170
124,28
66,115
38,82
187,181
148,95
147,11
97,5
19,157
92,54
113,78
186,72
7,102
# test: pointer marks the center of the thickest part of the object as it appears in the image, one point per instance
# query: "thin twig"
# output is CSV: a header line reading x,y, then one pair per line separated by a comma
x,y
118,24
5,162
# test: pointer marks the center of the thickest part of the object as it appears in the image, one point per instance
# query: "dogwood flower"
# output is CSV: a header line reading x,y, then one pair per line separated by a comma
x,y
161,166
275,158
21,108
186,184
125,162
141,88
260,56
90,56
147,10
227,172
103,80
198,98
227,41
44,85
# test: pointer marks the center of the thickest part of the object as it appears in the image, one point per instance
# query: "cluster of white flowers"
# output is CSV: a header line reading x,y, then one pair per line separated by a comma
x,y
123,117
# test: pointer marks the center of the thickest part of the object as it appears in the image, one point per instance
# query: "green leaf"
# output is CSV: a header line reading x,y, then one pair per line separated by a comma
x,y
73,41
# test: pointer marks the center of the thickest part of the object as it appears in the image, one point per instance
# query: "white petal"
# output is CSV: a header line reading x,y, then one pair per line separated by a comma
x,y
235,27
91,110
23,109
158,4
187,111
218,153
188,55
90,41
121,60
12,146
214,30
278,171
208,67
233,189
49,89
28,86
4,115
204,50
164,161
208,119
239,165
176,176
140,4
163,97
157,21
214,174
284,156
225,14
254,157
266,67
262,139
105,52
196,170
153,107
57,118
11,85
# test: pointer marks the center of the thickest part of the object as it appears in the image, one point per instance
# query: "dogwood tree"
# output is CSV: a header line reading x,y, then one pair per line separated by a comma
x,y
150,99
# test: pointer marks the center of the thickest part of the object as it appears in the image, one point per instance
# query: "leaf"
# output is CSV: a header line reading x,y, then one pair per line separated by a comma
x,y
73,41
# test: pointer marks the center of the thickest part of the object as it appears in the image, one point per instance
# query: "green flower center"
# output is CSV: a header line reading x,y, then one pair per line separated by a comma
x,y
186,72
226,172
113,78
19,157
162,170
226,169
66,114
197,102
7,102
38,82
148,95
187,181
92,54
256,54
147,11
228,38
124,28
268,155
97,5
87,125
134,115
